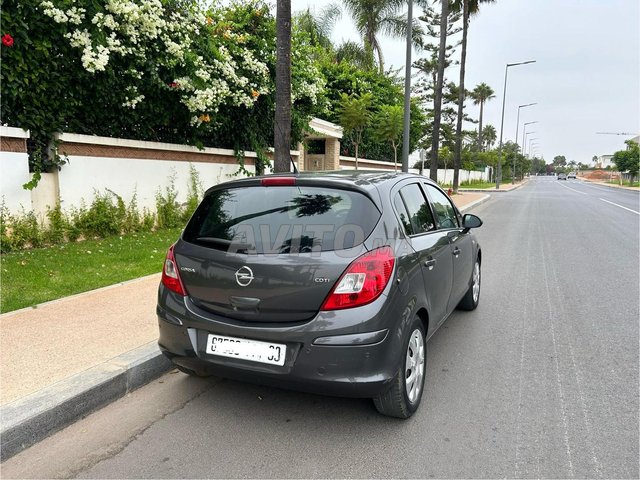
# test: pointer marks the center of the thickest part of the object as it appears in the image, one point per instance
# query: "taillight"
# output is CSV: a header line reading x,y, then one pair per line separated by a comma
x,y
170,276
363,282
278,181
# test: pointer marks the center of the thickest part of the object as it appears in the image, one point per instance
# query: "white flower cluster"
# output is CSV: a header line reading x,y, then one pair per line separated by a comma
x,y
224,73
73,15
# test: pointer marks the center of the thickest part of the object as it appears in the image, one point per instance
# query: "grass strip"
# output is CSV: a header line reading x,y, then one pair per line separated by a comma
x,y
30,277
479,186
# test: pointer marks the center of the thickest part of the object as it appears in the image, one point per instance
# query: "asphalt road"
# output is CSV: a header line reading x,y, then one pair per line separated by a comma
x,y
540,381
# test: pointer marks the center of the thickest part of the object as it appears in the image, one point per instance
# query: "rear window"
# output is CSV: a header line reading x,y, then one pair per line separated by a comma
x,y
282,219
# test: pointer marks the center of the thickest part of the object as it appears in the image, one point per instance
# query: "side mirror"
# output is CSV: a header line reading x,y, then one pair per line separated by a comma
x,y
471,221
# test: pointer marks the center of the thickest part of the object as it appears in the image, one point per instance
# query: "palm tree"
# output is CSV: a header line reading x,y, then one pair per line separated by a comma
x,y
282,123
373,17
353,53
318,26
481,94
469,7
489,136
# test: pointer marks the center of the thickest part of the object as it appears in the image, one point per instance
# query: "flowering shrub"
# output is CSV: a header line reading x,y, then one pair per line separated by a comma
x,y
168,71
216,72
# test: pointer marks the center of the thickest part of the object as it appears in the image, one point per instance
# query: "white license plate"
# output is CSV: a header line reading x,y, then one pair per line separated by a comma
x,y
262,352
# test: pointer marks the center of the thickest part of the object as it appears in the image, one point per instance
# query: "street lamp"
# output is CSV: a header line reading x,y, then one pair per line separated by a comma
x,y
531,142
524,131
504,98
513,172
524,140
534,149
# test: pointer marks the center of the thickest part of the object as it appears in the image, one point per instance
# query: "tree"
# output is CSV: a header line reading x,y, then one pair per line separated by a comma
x,y
489,136
389,122
353,53
468,8
425,86
559,161
480,95
444,14
282,123
628,160
372,17
355,115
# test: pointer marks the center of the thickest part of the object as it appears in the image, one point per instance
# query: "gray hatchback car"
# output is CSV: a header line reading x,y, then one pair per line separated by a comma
x,y
329,283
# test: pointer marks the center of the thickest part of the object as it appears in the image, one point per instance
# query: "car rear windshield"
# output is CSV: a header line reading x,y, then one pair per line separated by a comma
x,y
282,219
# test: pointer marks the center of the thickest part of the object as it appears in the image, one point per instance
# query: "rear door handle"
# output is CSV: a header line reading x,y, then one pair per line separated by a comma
x,y
430,263
456,251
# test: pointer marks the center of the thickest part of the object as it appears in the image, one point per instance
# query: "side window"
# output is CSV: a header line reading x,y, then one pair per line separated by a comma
x,y
443,209
404,216
418,209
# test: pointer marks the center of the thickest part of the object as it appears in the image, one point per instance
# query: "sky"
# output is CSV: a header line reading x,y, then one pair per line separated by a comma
x,y
586,78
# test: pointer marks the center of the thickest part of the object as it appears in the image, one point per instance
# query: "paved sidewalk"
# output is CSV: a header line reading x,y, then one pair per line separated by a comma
x,y
63,359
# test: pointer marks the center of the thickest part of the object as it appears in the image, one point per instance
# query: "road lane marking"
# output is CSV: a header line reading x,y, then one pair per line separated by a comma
x,y
577,191
632,211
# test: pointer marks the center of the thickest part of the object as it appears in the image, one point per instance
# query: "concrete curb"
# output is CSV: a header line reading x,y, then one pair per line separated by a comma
x,y
32,418
475,203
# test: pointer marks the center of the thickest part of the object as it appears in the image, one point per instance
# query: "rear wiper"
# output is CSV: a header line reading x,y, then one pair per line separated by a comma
x,y
223,242
216,240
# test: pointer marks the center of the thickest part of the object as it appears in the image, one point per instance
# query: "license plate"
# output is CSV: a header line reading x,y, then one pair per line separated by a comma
x,y
252,350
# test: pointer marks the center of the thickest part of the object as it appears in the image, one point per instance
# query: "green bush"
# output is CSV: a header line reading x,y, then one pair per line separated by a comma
x,y
169,214
107,215
194,194
58,228
102,218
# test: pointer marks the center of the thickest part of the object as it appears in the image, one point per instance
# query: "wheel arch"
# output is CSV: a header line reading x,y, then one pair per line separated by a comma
x,y
423,315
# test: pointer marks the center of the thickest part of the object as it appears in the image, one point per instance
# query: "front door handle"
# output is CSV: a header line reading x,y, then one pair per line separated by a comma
x,y
456,252
430,263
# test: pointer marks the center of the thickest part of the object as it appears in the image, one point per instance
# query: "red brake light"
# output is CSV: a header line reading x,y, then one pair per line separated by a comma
x,y
170,276
278,181
363,282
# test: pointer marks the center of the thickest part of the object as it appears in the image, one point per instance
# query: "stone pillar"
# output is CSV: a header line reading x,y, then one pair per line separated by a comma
x,y
332,154
302,155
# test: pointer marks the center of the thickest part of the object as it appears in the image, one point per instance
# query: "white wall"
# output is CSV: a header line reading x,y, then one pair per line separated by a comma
x,y
14,172
444,176
83,176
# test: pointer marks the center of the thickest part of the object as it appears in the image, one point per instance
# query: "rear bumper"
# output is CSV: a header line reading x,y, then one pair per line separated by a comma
x,y
356,370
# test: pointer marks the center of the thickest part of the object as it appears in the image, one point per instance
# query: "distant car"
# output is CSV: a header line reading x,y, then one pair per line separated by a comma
x,y
571,175
562,176
329,283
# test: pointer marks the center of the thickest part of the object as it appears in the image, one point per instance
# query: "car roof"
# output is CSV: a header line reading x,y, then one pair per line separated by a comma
x,y
364,180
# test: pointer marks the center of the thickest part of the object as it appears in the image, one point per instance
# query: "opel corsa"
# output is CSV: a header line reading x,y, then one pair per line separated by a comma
x,y
326,282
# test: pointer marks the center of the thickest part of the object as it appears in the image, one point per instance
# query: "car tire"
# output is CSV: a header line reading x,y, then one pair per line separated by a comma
x,y
193,373
402,399
472,297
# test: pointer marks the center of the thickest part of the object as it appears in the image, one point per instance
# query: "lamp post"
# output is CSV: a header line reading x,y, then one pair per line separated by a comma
x,y
532,143
504,98
524,131
407,91
524,139
513,172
